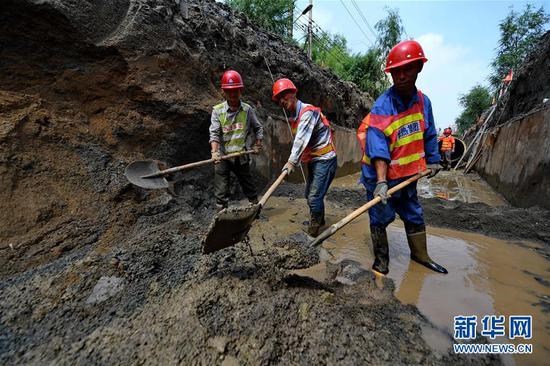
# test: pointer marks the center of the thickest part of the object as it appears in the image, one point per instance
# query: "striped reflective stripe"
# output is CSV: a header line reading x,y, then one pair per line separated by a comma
x,y
408,159
402,122
323,150
407,140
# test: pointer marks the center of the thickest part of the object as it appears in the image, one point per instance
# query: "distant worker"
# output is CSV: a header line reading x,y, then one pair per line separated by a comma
x,y
399,140
447,147
312,145
232,122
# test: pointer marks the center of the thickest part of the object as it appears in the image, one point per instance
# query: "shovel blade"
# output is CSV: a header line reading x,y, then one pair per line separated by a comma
x,y
229,227
136,170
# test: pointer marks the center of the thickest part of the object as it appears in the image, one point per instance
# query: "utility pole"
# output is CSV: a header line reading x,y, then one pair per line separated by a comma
x,y
291,21
310,29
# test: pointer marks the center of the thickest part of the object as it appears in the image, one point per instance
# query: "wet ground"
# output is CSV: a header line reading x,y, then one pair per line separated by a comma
x,y
486,276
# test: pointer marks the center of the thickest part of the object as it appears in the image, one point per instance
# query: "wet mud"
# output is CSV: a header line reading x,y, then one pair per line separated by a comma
x,y
151,296
486,275
455,201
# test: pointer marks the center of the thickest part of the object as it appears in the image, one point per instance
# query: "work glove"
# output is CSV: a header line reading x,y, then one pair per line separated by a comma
x,y
289,167
257,147
381,191
435,168
217,156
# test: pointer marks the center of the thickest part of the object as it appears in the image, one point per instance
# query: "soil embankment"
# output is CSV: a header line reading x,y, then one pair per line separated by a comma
x,y
94,270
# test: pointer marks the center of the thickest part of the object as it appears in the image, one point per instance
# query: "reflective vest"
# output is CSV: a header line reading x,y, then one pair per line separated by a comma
x,y
309,153
447,143
405,132
234,131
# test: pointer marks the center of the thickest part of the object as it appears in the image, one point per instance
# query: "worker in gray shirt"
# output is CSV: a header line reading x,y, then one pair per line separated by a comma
x,y
232,123
312,145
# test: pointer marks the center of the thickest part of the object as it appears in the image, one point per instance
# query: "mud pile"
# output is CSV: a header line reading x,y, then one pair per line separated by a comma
x,y
88,86
95,270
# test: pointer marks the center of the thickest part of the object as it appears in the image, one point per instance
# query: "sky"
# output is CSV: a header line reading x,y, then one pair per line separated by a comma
x,y
459,39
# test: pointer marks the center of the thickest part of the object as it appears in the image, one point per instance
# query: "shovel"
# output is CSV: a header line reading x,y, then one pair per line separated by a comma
x,y
231,225
352,216
147,173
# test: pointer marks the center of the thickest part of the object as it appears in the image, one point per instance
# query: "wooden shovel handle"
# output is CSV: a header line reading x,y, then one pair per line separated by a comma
x,y
352,216
195,164
273,188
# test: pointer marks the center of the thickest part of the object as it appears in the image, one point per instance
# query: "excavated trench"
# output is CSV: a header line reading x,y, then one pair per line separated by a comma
x,y
94,270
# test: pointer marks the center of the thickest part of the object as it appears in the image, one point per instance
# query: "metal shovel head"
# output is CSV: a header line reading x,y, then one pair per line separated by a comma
x,y
230,226
136,170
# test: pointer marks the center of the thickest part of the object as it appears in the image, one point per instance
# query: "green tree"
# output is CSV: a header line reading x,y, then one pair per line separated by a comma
x,y
330,50
477,100
273,15
390,30
366,71
519,33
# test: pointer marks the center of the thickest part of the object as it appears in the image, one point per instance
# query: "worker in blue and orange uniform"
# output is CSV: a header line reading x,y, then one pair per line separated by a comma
x,y
399,140
312,145
447,147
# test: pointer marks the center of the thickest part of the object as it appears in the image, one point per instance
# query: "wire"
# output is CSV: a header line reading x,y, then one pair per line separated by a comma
x,y
358,26
364,18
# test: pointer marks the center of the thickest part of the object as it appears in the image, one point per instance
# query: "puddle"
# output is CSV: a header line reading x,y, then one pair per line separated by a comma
x,y
449,185
486,276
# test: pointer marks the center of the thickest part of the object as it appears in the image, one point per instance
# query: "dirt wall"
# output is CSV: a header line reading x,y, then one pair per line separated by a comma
x,y
278,143
516,159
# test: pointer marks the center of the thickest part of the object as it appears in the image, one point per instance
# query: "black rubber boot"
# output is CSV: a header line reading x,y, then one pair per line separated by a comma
x,y
314,223
416,236
380,249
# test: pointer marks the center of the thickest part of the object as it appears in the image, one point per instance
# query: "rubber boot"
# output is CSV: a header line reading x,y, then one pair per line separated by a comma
x,y
380,249
314,223
416,236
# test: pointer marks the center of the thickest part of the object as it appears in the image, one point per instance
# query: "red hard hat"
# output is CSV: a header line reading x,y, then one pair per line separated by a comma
x,y
448,130
403,53
282,85
231,79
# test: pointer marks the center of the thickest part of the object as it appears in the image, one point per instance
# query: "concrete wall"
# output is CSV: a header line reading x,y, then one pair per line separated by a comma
x,y
516,160
278,142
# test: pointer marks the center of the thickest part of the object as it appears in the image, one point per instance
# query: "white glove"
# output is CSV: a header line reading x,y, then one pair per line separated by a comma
x,y
289,167
257,147
217,156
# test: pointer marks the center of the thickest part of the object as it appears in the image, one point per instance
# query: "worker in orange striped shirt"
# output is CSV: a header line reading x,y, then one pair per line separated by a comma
x,y
447,147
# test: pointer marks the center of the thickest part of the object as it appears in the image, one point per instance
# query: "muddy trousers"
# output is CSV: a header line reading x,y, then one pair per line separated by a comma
x,y
446,155
222,173
320,176
404,202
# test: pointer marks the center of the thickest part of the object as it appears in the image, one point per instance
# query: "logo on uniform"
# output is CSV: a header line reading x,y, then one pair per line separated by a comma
x,y
233,127
408,129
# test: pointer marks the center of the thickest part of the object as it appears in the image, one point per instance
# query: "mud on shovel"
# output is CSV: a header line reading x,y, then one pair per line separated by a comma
x,y
147,173
352,216
231,225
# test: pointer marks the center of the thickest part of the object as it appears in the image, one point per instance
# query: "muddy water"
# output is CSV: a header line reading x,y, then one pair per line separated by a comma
x,y
486,276
448,185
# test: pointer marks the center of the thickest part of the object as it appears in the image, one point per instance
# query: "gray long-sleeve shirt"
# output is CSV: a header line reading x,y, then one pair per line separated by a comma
x,y
253,125
311,133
